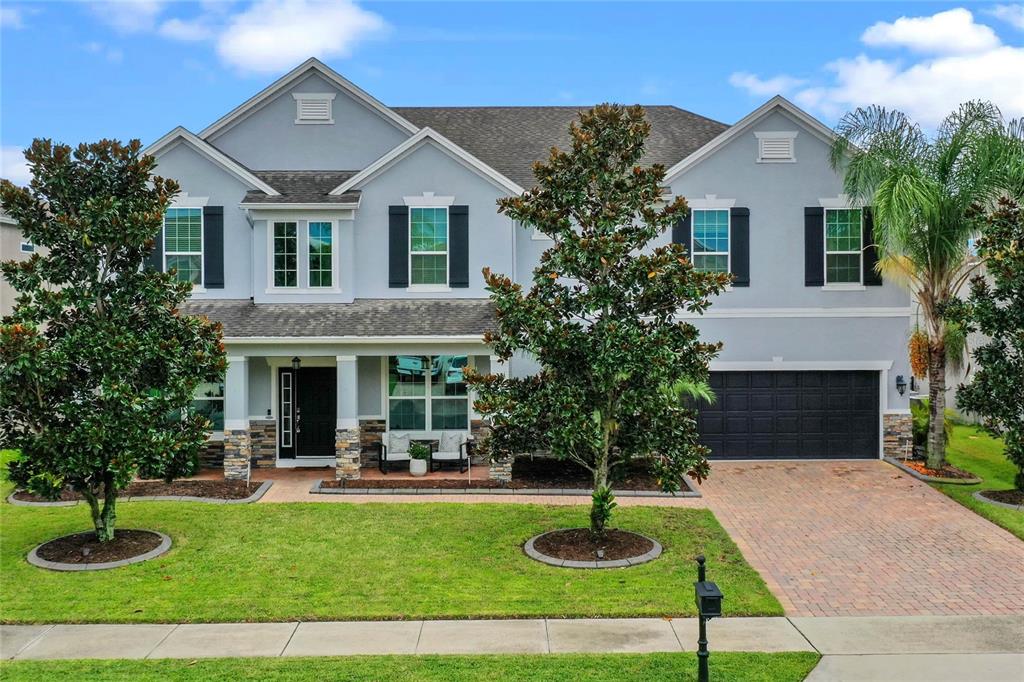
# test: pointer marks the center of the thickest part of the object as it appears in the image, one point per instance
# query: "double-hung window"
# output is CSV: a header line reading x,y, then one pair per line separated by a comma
x,y
286,255
710,240
843,233
183,244
321,254
426,390
428,244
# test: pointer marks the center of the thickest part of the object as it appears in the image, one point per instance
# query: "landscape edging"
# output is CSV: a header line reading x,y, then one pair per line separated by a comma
x,y
981,498
930,479
533,553
34,559
256,495
318,489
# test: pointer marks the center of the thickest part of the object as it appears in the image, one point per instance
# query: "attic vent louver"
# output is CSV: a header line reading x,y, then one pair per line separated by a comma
x,y
313,107
776,147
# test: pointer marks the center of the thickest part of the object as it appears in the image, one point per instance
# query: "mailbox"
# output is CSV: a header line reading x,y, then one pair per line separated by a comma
x,y
708,598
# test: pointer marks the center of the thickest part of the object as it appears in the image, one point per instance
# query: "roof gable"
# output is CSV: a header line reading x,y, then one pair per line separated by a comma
x,y
182,136
778,102
311,65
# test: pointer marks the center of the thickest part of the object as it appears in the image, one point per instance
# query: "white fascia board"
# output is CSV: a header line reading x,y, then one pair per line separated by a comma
x,y
445,145
288,340
816,127
754,313
332,76
258,206
181,135
800,365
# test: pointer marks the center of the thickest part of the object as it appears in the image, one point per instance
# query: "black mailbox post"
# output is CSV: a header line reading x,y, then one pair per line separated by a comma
x,y
709,605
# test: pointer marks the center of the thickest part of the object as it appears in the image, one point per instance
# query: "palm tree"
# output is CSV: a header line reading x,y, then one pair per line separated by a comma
x,y
922,191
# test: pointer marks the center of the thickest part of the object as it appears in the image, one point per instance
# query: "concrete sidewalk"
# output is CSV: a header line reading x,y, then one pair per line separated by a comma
x,y
931,648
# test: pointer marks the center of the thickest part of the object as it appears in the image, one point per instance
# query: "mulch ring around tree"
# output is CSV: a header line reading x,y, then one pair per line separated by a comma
x,y
577,548
527,473
947,470
84,552
213,489
1012,498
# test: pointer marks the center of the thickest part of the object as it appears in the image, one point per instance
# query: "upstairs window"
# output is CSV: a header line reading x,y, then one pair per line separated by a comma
x,y
710,247
428,245
321,256
311,107
776,147
286,255
183,244
843,233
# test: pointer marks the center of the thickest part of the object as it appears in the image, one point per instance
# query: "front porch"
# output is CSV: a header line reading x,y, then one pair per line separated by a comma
x,y
297,407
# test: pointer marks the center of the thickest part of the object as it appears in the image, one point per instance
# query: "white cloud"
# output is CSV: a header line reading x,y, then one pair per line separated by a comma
x,y
272,35
951,32
1011,14
11,17
111,54
188,31
13,166
129,16
764,87
926,89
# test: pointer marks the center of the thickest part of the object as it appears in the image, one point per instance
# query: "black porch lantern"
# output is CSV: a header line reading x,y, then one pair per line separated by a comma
x,y
901,384
709,605
296,363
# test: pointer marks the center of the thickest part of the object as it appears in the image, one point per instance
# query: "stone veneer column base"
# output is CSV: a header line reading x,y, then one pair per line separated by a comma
x,y
347,447
370,433
500,469
263,442
236,454
897,435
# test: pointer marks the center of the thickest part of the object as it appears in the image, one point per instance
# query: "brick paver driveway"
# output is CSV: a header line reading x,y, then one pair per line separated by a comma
x,y
861,538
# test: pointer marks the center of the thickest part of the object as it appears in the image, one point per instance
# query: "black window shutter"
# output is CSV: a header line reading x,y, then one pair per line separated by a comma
x,y
814,246
681,231
398,246
458,247
213,247
739,227
155,260
872,278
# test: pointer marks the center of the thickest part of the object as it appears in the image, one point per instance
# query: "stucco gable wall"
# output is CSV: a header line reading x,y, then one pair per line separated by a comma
x,y
269,138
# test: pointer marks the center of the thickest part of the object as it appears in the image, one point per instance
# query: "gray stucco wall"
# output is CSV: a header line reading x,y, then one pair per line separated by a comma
x,y
269,138
199,177
369,376
259,387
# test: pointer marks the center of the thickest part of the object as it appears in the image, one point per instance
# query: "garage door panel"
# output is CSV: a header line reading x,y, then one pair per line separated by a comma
x,y
814,414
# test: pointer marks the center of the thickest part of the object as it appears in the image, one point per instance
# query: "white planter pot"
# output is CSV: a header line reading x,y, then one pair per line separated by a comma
x,y
418,467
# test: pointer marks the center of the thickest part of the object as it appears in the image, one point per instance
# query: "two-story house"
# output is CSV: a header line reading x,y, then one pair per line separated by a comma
x,y
340,243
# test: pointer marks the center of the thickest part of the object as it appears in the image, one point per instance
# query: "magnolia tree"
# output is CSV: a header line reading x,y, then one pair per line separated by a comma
x,y
996,310
97,367
601,317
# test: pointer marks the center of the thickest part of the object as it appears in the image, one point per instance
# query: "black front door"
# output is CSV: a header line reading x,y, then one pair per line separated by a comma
x,y
307,405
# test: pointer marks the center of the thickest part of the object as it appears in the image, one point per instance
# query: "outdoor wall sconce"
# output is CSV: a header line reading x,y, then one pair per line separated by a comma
x,y
709,605
296,363
901,384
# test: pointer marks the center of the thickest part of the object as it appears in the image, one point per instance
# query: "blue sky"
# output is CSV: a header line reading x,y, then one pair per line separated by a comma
x,y
78,71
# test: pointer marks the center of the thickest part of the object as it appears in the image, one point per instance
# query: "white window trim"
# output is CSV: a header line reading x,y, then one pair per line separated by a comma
x,y
843,286
271,286
776,135
334,269
322,96
428,200
728,236
710,202
428,412
200,287
432,288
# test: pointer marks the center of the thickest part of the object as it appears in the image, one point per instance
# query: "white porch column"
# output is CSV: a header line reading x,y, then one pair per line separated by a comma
x,y
347,442
236,419
499,469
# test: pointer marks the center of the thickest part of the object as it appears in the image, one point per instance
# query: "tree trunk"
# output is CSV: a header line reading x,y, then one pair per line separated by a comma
x,y
599,512
103,518
937,405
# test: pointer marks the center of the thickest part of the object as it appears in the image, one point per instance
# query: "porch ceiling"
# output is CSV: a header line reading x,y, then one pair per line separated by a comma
x,y
363,317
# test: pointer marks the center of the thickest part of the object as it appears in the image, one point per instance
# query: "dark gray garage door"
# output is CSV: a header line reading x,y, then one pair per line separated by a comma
x,y
788,415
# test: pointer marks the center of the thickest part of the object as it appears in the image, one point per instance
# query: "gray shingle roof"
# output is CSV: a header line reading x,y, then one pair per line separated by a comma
x,y
302,187
362,317
510,139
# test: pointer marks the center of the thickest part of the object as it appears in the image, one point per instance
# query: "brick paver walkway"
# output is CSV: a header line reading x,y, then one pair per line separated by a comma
x,y
861,538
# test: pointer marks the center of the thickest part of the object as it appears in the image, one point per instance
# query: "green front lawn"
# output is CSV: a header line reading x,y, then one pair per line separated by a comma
x,y
331,561
736,667
973,450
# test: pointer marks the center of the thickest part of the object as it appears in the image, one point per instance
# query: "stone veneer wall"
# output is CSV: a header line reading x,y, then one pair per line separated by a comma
x,y
897,435
236,454
212,455
370,432
480,430
263,442
347,448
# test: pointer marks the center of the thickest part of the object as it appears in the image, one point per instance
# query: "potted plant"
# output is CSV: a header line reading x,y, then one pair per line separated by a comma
x,y
419,454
